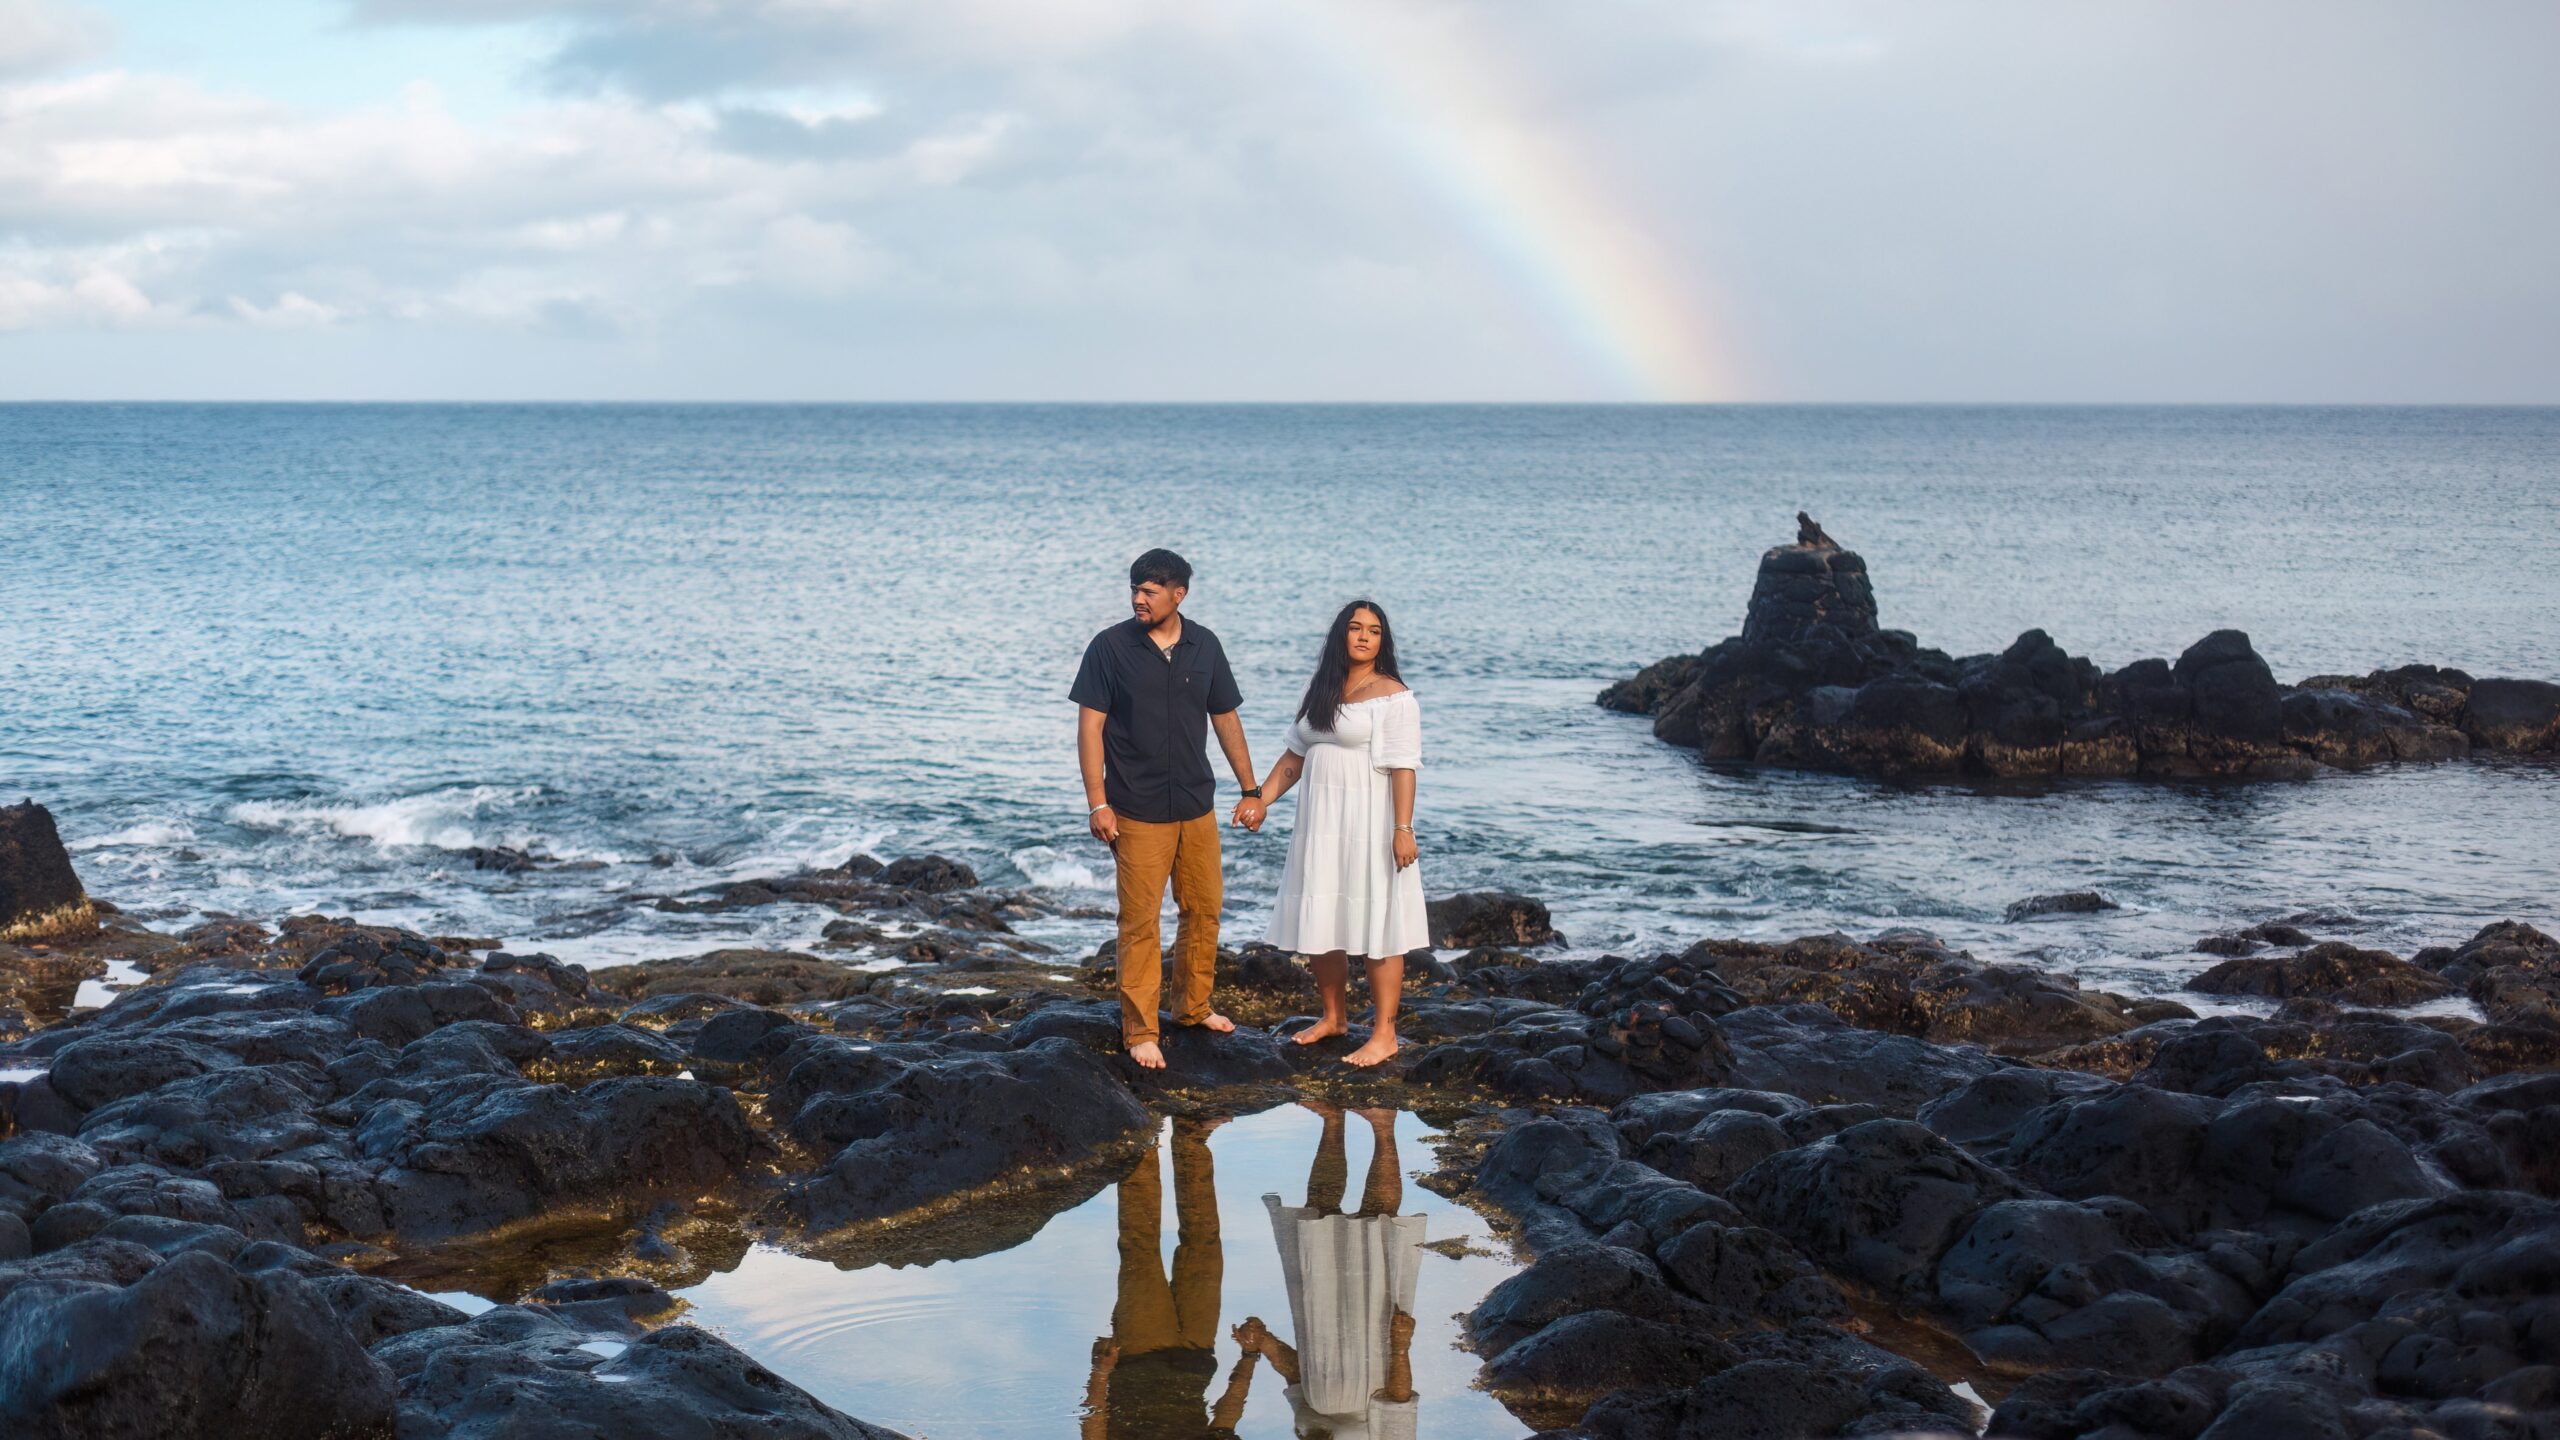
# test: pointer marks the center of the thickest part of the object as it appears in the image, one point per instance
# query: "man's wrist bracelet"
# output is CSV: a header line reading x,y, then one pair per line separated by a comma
x,y
1098,809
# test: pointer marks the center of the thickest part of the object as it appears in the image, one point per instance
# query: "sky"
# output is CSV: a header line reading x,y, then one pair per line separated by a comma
x,y
1280,200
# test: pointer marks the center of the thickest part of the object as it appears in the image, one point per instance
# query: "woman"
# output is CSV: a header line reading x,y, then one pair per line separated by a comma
x,y
1351,886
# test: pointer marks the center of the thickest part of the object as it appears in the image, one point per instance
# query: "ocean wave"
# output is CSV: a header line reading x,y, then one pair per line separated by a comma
x,y
437,818
1049,868
143,834
802,845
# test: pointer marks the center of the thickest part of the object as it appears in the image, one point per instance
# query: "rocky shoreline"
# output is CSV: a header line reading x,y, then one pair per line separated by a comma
x,y
1794,1189
1815,682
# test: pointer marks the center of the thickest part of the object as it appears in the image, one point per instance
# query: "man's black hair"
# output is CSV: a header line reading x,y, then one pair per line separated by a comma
x,y
1163,567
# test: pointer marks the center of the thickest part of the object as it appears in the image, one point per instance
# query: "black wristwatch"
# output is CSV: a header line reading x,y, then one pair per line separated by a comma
x,y
1253,792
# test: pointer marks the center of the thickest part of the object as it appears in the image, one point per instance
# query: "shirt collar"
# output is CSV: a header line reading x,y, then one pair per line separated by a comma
x,y
1138,633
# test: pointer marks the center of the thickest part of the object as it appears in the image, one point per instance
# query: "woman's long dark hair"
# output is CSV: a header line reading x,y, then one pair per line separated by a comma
x,y
1323,704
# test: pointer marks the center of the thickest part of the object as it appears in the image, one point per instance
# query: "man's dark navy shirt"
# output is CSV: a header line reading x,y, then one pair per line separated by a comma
x,y
1155,731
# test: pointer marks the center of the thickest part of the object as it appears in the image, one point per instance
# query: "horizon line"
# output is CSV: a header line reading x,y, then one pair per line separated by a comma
x,y
641,403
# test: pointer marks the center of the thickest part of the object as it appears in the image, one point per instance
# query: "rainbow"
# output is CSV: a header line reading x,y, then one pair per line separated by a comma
x,y
1595,267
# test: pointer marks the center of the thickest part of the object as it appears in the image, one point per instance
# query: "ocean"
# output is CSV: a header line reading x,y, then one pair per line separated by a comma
x,y
262,660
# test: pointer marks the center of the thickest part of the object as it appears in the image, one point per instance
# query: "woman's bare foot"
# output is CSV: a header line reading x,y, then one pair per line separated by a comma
x,y
1379,1048
1321,1030
1148,1054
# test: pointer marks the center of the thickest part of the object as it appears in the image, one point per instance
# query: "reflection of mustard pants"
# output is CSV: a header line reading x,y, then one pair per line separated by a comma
x,y
1148,853
1153,1314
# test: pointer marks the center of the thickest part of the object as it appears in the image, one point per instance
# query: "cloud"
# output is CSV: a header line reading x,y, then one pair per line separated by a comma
x,y
1270,198
39,36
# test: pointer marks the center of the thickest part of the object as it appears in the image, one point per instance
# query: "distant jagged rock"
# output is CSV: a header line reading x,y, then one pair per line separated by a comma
x,y
1814,681
40,895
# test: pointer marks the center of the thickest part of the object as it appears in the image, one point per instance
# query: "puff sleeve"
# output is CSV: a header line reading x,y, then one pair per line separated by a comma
x,y
1395,742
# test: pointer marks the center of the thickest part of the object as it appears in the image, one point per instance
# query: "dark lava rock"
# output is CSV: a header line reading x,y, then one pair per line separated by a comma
x,y
40,895
909,1130
1879,1201
614,1304
1566,1181
1907,982
1808,1051
515,1373
2522,716
1814,681
1583,1356
2332,970
1577,1279
759,977
932,874
1805,1381
2069,902
464,1154
505,859
190,1347
1490,917
362,957
2510,969
1636,1026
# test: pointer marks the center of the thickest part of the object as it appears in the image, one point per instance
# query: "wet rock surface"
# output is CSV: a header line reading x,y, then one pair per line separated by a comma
x,y
1744,1177
1815,682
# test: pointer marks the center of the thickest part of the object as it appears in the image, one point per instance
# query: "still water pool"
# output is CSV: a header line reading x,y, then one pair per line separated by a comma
x,y
1298,1233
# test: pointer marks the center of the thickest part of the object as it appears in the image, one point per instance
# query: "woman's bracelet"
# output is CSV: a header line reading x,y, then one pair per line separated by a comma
x,y
1406,829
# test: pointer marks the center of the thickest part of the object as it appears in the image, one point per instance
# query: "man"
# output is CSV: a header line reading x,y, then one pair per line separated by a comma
x,y
1149,691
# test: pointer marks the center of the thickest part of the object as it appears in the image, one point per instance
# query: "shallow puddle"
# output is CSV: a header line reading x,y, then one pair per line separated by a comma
x,y
1120,1317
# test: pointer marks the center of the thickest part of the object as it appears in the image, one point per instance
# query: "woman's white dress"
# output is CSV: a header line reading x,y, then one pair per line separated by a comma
x,y
1342,890
1348,1275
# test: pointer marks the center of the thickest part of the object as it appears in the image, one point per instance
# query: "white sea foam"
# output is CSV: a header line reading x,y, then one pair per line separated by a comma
x,y
18,1075
438,818
804,845
1049,868
142,834
606,1348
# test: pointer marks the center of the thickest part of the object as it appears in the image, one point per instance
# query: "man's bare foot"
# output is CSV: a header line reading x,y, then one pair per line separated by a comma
x,y
1380,1117
1321,1030
1323,1109
1217,1022
1148,1055
1379,1048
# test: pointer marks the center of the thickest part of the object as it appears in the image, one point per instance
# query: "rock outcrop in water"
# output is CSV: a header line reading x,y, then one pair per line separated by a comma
x,y
1814,681
1780,1189
40,895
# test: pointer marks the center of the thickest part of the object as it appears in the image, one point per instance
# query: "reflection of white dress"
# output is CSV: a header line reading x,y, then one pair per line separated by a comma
x,y
1342,890
1348,1275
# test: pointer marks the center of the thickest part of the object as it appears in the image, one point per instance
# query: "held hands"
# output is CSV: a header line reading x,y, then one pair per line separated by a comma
x,y
1250,813
1406,852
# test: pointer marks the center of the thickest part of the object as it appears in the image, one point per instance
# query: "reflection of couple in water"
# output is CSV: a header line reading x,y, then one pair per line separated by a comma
x,y
1350,1278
